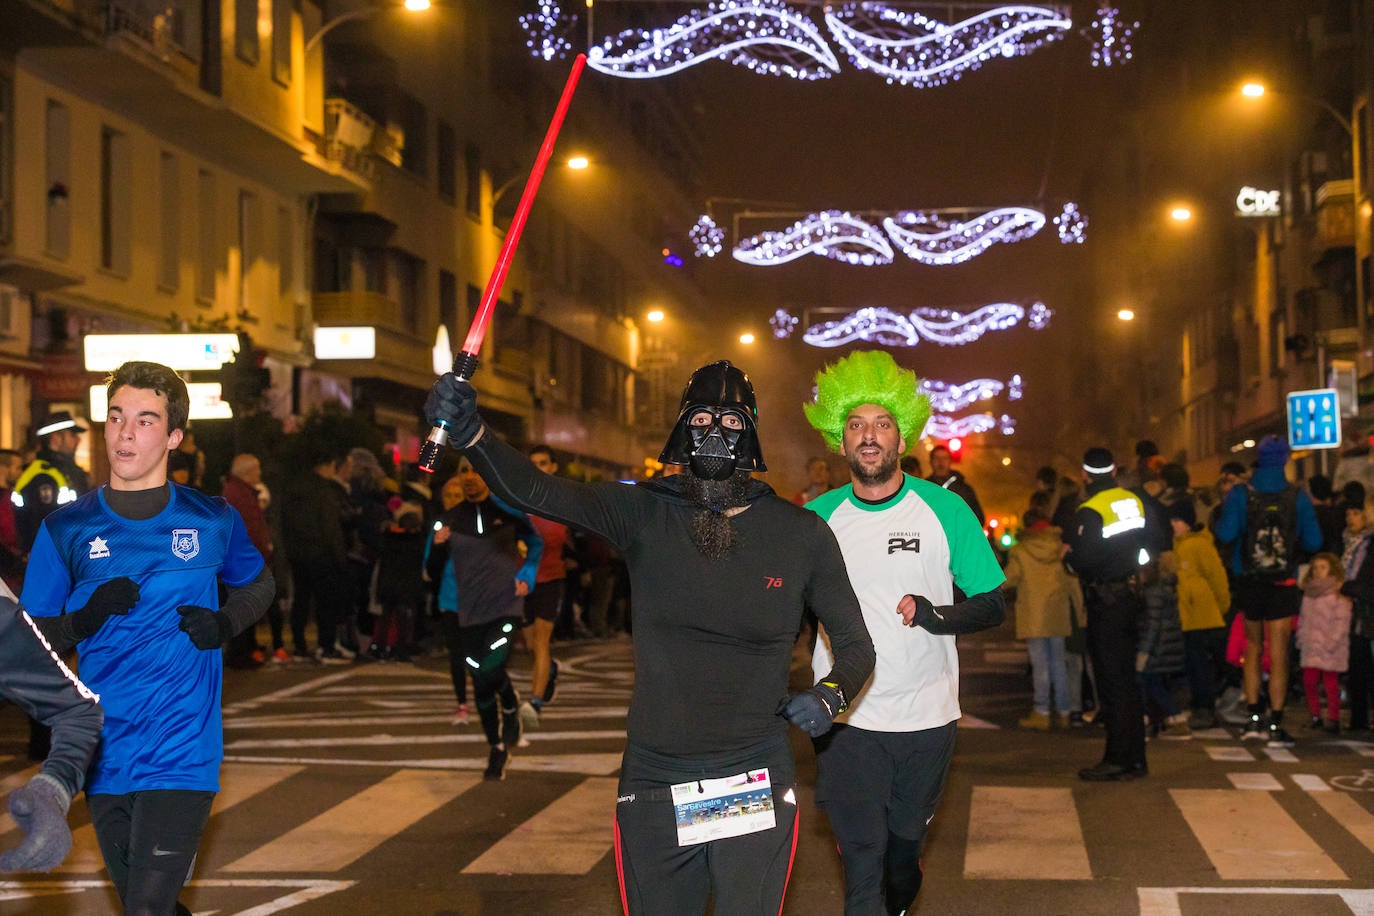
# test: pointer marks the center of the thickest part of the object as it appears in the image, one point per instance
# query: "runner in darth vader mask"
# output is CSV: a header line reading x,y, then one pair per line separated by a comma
x,y
716,441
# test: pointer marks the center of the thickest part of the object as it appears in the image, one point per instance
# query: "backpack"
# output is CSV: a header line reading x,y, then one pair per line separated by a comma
x,y
1269,546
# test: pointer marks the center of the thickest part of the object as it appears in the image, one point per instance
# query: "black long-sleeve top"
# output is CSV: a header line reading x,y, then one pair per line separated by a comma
x,y
34,678
713,638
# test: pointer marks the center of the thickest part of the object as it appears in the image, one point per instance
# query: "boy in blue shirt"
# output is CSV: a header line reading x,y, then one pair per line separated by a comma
x,y
157,668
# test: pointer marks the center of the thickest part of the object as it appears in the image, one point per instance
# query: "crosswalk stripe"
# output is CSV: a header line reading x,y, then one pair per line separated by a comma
x,y
1280,755
349,830
1310,782
567,838
1261,782
1228,754
478,737
589,764
315,720
1350,814
237,784
1253,839
1025,833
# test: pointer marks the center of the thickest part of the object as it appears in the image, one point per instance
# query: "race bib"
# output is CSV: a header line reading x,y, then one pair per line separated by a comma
x,y
712,809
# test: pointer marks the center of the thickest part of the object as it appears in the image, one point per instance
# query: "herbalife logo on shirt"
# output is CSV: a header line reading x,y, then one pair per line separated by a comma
x,y
903,540
99,549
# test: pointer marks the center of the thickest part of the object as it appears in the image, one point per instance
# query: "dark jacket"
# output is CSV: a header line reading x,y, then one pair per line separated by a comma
x,y
400,562
244,498
1161,633
955,482
313,521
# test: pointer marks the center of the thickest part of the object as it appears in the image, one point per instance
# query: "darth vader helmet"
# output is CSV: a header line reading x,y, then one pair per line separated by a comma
x,y
729,441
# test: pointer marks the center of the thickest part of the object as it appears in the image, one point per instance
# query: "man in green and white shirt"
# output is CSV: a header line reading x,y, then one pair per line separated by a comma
x,y
923,571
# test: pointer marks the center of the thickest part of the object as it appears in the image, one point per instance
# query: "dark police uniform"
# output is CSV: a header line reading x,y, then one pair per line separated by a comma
x,y
1108,547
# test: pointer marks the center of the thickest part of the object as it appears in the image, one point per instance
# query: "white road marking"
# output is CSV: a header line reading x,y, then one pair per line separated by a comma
x,y
477,737
1280,755
1024,833
348,719
1310,782
348,831
1259,782
1229,754
1254,839
588,764
305,890
569,837
1163,901
1351,815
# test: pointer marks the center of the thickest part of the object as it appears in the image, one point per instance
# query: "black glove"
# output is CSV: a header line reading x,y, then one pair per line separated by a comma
x,y
925,613
207,629
40,810
114,597
454,402
812,710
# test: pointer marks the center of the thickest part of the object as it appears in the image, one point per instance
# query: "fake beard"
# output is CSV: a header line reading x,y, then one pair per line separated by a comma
x,y
713,532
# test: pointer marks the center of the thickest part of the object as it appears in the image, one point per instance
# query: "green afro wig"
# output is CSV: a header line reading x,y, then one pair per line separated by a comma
x,y
866,377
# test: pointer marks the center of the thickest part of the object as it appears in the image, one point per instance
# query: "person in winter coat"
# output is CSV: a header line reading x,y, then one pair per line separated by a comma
x,y
1359,588
1204,594
1160,652
1046,596
398,587
1324,637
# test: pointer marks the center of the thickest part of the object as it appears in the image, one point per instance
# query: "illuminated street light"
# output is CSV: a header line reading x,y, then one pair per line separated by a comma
x,y
1252,90
366,12
1006,461
655,316
577,163
746,338
1126,315
1255,90
1180,214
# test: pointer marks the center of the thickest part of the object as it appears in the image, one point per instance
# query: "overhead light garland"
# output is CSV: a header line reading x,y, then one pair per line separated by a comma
x,y
947,397
944,427
781,39
783,324
1111,37
876,324
932,237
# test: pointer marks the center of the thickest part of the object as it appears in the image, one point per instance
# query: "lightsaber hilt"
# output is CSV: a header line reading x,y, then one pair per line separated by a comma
x,y
465,366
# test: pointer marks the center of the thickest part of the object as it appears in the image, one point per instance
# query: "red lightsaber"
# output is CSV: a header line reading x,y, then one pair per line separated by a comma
x,y
465,365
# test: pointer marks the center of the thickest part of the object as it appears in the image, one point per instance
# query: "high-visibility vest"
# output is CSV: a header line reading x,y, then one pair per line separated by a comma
x,y
1121,511
38,468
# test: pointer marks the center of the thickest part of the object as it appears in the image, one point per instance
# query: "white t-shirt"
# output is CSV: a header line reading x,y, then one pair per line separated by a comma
x,y
923,541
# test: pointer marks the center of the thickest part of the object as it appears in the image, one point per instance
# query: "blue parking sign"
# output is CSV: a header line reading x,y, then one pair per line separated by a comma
x,y
1314,419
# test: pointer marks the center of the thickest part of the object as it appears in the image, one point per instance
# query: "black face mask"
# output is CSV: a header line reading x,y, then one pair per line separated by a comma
x,y
715,449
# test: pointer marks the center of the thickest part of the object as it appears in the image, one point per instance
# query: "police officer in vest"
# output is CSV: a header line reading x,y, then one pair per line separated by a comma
x,y
52,479
1107,547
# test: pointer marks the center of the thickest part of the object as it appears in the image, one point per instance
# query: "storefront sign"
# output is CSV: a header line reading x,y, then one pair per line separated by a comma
x,y
182,352
205,402
1253,202
345,343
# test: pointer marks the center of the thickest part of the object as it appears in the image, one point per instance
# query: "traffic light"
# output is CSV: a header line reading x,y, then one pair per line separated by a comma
x,y
956,449
244,380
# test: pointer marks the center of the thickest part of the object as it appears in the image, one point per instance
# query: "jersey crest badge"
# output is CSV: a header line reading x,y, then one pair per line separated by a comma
x,y
99,549
185,543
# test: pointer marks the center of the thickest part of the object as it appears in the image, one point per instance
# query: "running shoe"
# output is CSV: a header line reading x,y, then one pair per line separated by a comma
x,y
345,652
461,716
529,716
496,763
1278,737
1255,729
551,688
330,657
281,657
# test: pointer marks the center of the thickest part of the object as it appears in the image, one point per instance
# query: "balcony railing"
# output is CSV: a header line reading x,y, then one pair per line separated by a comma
x,y
348,137
162,30
1336,214
357,307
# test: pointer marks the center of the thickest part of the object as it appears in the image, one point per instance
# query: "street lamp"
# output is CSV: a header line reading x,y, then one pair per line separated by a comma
x,y
365,12
1180,214
1254,90
576,163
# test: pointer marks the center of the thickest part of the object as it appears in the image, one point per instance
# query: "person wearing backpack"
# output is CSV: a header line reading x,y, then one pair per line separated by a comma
x,y
1268,524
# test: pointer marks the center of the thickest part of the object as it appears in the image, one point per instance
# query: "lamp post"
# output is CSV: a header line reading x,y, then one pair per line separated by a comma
x,y
365,12
576,163
1255,90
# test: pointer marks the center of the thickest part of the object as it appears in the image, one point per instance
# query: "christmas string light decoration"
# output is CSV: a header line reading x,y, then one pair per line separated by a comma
x,y
708,239
916,50
781,39
832,233
947,397
941,426
767,36
876,324
1072,225
930,238
1111,37
783,324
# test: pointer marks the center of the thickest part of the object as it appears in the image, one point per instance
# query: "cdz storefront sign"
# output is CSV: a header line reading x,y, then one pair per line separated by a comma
x,y
1255,202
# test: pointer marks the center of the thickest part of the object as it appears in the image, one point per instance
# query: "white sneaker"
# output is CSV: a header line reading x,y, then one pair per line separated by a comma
x,y
461,716
529,716
345,652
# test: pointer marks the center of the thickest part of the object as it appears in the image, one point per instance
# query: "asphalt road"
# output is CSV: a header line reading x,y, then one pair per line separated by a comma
x,y
347,791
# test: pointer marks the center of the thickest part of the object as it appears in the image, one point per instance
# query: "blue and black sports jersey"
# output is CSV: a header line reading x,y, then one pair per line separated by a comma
x,y
161,694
